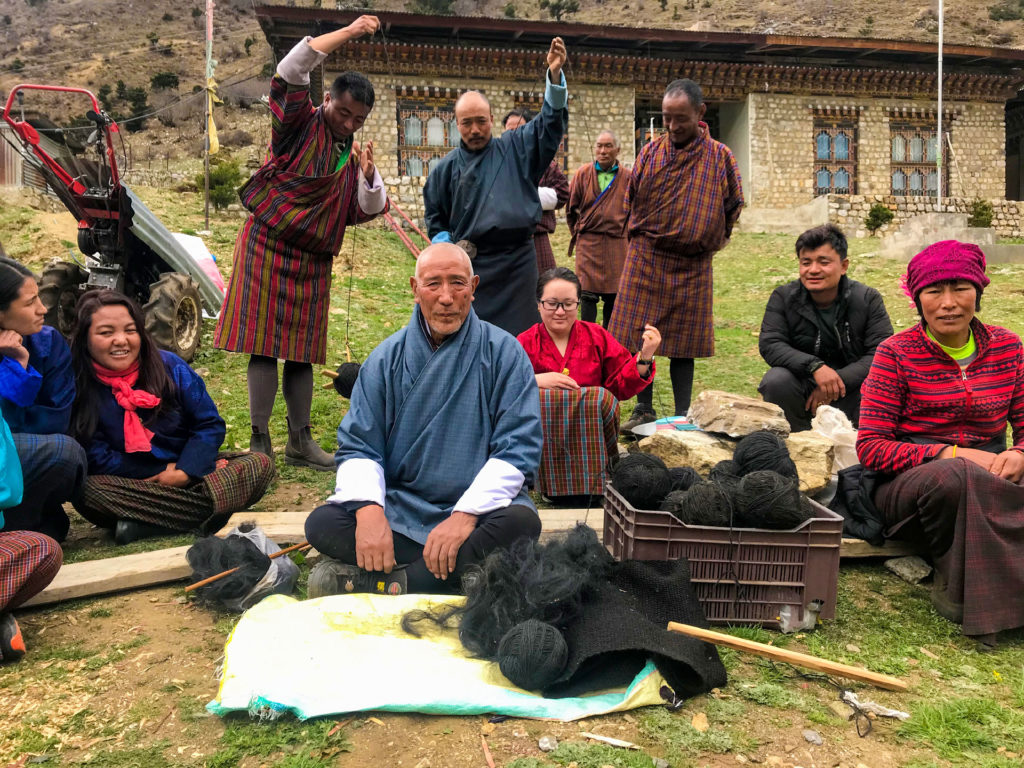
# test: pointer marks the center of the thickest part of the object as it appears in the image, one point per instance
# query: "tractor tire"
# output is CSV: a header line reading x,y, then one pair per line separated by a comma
x,y
174,314
59,289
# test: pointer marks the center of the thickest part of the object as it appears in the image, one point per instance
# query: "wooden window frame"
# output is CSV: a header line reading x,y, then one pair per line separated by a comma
x,y
925,130
833,126
424,107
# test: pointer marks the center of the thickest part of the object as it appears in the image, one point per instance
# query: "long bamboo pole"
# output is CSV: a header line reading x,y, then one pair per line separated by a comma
x,y
791,657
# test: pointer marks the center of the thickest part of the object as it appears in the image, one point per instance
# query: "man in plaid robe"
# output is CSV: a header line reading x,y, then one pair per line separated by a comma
x,y
315,182
683,200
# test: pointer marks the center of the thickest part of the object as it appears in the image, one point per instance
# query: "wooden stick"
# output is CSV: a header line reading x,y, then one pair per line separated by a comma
x,y
487,752
329,373
219,576
792,657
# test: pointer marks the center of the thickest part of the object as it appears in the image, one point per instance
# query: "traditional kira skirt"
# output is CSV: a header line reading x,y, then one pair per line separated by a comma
x,y
28,562
581,434
203,507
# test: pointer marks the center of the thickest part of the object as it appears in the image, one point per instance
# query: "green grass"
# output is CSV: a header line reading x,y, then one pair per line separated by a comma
x,y
299,745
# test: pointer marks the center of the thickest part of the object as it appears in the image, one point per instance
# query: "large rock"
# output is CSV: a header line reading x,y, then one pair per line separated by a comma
x,y
813,454
688,448
736,415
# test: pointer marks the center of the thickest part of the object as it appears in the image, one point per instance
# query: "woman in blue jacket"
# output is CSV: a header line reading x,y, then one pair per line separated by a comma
x,y
151,432
37,389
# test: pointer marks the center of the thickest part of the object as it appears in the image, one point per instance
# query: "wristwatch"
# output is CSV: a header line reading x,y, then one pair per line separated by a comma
x,y
641,361
815,365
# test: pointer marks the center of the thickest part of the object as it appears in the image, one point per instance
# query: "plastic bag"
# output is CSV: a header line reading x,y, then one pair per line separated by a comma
x,y
834,424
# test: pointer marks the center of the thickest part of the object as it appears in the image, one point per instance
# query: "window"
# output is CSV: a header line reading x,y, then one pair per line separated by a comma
x,y
913,149
533,103
427,131
835,156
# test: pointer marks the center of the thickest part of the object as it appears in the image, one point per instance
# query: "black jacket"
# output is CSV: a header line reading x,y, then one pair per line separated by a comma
x,y
793,335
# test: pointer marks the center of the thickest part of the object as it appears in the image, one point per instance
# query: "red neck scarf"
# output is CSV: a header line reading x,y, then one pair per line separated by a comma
x,y
136,436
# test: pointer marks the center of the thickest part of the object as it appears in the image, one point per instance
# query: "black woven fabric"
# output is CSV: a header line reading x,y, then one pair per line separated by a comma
x,y
625,624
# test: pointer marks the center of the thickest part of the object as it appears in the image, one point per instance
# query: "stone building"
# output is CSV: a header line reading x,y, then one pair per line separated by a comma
x,y
817,124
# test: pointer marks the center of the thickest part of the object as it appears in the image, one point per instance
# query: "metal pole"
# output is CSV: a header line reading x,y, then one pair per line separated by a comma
x,y
939,145
206,111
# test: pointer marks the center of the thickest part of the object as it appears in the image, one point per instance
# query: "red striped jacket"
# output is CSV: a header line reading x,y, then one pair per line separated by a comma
x,y
916,392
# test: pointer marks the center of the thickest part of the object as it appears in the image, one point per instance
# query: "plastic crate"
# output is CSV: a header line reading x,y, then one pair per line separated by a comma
x,y
740,575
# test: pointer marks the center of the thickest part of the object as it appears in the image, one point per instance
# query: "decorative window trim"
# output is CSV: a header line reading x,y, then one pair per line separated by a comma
x,y
835,166
906,168
424,105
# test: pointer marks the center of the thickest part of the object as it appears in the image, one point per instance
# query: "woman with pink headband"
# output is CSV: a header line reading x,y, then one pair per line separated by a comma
x,y
934,410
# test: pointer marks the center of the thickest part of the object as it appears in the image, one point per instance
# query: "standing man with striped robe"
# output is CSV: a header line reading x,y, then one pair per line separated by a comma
x,y
597,218
315,182
683,200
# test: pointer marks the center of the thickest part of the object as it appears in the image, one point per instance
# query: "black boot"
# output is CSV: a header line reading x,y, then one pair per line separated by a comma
x,y
259,442
127,531
303,451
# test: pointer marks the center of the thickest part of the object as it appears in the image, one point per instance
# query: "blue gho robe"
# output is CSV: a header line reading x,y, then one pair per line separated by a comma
x,y
187,432
489,197
431,432
38,400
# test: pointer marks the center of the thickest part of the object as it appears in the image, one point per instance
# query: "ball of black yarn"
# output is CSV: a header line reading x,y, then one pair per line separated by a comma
x,y
683,477
725,469
212,555
766,499
642,479
701,504
346,380
532,654
763,450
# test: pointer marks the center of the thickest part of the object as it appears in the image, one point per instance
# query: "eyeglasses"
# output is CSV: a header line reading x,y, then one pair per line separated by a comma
x,y
551,305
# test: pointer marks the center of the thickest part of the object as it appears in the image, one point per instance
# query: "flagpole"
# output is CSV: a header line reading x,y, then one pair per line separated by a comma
x,y
939,143
207,111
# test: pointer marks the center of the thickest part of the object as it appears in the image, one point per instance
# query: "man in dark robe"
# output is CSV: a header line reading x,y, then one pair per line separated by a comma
x,y
485,191
683,200
597,218
553,191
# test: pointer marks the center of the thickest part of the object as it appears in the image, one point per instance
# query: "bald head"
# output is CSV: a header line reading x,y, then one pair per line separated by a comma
x,y
432,254
473,116
443,287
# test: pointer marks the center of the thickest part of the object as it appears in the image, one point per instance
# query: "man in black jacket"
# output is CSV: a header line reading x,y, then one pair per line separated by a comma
x,y
820,332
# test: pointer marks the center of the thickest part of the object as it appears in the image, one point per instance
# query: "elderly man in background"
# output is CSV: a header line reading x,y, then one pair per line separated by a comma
x,y
683,199
597,219
553,191
436,452
485,191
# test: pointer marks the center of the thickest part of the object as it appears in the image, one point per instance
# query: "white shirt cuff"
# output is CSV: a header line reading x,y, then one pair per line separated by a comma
x,y
494,487
372,197
359,480
295,67
548,198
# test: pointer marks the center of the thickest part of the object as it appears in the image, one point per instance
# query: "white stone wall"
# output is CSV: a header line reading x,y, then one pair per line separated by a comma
x,y
849,211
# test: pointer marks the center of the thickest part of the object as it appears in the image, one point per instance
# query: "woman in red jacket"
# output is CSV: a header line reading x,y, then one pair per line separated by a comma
x,y
934,410
582,372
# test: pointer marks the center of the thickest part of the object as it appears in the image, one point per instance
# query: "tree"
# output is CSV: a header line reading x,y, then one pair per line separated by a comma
x,y
877,218
435,7
164,80
249,43
982,214
225,178
103,94
168,17
153,39
122,90
560,8
510,10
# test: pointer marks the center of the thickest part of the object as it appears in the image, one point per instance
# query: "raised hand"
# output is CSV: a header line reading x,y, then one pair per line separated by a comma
x,y
364,25
557,57
649,342
364,156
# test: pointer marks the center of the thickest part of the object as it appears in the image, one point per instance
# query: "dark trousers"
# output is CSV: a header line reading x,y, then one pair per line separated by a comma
x,y
53,468
588,307
680,370
790,392
331,529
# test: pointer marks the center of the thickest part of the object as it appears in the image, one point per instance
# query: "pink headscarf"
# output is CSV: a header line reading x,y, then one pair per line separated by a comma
x,y
945,260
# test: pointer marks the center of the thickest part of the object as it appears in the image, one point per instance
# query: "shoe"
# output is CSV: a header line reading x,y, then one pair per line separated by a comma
x,y
259,442
303,451
333,577
985,643
127,531
640,416
12,644
943,604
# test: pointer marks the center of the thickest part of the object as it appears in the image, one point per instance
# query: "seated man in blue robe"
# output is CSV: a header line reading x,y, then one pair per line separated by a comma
x,y
485,191
442,438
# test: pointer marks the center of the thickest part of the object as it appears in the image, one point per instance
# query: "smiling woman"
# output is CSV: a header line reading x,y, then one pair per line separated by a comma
x,y
151,432
934,412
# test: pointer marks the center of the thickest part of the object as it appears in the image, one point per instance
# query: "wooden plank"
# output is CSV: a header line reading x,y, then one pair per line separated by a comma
x,y
113,574
858,548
